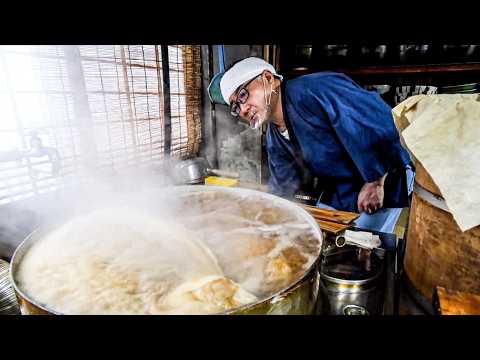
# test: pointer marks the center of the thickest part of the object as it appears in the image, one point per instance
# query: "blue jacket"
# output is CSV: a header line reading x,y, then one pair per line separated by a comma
x,y
346,137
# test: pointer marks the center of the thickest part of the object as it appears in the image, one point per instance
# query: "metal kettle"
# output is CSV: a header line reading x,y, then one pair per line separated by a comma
x,y
195,170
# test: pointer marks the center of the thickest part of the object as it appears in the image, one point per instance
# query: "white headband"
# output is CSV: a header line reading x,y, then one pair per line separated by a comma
x,y
241,72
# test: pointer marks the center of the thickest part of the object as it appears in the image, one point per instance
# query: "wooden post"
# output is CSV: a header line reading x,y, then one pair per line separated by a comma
x,y
83,116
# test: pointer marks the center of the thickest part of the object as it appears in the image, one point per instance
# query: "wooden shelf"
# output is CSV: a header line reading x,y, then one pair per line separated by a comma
x,y
392,70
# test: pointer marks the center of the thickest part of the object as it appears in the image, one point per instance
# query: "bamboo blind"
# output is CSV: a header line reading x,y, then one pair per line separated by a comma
x,y
100,107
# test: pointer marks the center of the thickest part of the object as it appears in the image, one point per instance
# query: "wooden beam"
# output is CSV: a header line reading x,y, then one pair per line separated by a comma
x,y
386,70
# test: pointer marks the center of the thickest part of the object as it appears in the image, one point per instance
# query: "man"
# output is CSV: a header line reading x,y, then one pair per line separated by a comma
x,y
323,125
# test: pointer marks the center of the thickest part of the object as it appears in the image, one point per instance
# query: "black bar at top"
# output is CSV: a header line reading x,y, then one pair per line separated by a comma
x,y
166,99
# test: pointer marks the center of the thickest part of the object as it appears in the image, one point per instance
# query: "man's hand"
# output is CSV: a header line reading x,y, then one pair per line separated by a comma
x,y
370,198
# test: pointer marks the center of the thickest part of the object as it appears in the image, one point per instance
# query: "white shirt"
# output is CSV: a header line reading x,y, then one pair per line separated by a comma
x,y
285,134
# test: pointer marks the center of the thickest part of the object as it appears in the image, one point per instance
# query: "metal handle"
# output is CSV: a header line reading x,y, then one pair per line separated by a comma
x,y
354,310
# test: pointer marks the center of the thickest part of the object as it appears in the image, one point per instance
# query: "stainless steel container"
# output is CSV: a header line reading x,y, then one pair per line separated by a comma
x,y
350,282
194,171
299,297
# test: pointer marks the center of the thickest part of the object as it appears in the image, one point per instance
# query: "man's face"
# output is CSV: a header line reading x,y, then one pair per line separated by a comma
x,y
249,101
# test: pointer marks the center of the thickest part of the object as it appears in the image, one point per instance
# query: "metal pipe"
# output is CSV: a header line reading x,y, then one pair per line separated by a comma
x,y
166,100
221,58
213,112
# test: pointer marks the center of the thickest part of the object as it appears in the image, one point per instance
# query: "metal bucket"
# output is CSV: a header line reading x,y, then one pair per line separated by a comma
x,y
298,298
347,287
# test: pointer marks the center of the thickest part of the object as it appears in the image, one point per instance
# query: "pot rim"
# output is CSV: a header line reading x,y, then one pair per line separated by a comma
x,y
182,190
352,282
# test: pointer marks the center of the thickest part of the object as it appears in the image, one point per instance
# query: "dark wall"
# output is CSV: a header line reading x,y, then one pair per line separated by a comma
x,y
237,147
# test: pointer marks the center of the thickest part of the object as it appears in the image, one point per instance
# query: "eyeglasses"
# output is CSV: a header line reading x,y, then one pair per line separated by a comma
x,y
242,97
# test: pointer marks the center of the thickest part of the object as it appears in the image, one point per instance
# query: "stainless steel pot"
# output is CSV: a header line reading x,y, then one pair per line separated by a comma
x,y
350,282
299,297
194,171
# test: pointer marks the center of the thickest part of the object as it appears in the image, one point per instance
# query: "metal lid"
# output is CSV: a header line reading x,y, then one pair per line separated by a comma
x,y
351,266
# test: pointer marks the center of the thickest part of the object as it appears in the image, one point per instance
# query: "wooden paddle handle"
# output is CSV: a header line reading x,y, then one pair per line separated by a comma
x,y
343,217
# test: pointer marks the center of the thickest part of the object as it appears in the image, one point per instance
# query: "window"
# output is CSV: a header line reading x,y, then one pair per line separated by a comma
x,y
68,109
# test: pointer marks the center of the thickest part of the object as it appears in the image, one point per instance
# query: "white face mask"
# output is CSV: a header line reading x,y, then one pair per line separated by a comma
x,y
256,126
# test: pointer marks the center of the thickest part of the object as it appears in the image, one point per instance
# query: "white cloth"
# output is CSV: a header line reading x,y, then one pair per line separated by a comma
x,y
241,72
285,134
442,132
363,239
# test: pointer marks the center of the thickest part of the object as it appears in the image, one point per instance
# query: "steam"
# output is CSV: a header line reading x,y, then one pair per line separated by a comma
x,y
88,190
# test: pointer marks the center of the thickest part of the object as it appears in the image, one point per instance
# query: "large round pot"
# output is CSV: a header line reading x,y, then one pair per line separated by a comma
x,y
299,297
